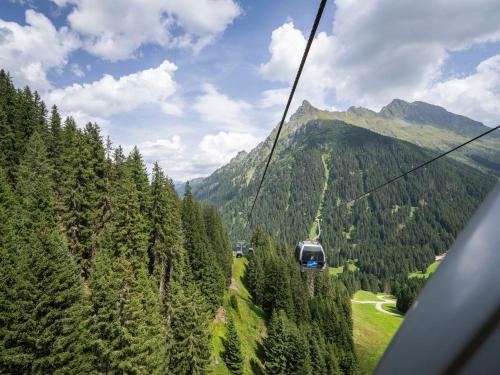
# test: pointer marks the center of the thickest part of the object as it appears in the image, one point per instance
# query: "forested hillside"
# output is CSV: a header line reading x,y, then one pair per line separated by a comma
x,y
321,164
103,270
310,319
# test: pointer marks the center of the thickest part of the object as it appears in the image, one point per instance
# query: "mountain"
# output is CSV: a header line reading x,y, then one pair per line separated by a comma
x,y
321,162
428,126
180,186
429,114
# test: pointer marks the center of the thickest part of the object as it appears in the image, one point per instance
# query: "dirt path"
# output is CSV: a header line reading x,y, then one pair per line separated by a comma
x,y
378,305
220,315
233,285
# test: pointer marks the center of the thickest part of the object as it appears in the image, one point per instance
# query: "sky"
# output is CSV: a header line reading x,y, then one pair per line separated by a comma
x,y
193,82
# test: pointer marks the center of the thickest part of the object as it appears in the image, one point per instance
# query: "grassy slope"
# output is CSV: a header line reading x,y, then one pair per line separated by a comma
x,y
335,270
249,323
432,268
340,269
373,330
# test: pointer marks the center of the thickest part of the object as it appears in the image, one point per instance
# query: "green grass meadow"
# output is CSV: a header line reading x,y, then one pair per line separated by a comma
x,y
373,330
340,269
428,272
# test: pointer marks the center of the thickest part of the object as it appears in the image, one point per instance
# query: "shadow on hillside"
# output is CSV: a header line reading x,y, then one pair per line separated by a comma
x,y
256,367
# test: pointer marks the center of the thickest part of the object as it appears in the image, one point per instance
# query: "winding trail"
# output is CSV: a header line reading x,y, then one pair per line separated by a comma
x,y
378,305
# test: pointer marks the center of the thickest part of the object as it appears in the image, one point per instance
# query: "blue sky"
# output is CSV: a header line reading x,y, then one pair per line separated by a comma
x,y
192,82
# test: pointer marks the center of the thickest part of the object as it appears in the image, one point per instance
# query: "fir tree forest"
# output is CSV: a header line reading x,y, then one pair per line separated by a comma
x,y
105,270
102,269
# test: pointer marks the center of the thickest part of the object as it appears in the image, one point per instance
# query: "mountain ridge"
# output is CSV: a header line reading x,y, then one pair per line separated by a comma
x,y
438,129
419,112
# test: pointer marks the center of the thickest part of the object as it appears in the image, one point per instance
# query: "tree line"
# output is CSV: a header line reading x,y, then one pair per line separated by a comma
x,y
103,269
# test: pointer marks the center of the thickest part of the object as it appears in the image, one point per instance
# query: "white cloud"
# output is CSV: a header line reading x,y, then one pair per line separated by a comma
x,y
216,108
181,162
381,49
286,48
109,96
115,29
218,149
77,71
160,149
168,152
286,44
476,95
29,52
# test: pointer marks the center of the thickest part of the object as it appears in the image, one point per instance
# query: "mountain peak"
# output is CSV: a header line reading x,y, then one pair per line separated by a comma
x,y
395,107
429,114
239,156
305,109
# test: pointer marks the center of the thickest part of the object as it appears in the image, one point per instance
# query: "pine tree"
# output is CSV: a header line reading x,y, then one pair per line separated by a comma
x,y
8,99
126,224
194,232
140,177
44,315
127,322
82,172
285,347
232,348
8,265
275,345
188,345
166,248
141,342
219,242
7,204
212,281
317,351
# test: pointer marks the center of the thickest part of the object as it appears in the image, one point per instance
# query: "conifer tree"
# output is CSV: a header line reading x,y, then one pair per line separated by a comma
x,y
194,232
82,181
317,351
188,344
47,289
126,326
126,225
140,177
232,348
275,345
141,341
166,248
285,347
8,99
8,266
219,242
7,204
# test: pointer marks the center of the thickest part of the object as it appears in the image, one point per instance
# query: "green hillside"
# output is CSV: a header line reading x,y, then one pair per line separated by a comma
x,y
428,272
373,330
322,163
249,321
